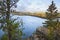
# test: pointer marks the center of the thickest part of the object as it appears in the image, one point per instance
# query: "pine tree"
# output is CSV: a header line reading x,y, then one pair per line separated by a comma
x,y
51,15
52,11
52,20
10,28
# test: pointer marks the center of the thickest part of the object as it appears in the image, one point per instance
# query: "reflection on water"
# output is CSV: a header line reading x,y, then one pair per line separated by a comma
x,y
29,23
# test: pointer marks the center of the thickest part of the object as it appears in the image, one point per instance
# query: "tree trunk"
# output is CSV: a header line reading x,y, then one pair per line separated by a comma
x,y
8,18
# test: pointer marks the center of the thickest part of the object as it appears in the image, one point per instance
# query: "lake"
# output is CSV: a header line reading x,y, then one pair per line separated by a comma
x,y
30,24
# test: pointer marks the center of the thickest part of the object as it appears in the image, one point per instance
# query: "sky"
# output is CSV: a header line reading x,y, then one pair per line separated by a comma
x,y
35,5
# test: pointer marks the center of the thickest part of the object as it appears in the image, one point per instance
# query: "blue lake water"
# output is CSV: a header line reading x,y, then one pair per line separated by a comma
x,y
30,24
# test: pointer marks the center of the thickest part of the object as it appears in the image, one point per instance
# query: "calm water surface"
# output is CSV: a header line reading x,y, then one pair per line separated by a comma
x,y
30,24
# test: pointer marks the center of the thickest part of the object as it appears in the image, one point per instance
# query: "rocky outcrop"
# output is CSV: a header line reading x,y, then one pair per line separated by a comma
x,y
40,34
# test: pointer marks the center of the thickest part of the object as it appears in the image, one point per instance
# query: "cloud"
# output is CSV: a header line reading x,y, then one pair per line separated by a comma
x,y
32,7
35,5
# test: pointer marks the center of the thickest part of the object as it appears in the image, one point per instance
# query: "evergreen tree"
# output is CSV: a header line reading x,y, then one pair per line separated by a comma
x,y
51,15
10,28
52,20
